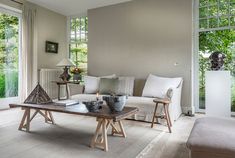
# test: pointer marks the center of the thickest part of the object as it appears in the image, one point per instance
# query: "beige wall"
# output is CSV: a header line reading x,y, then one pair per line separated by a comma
x,y
142,37
52,27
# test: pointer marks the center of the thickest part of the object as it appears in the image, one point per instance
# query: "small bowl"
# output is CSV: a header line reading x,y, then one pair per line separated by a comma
x,y
93,106
115,103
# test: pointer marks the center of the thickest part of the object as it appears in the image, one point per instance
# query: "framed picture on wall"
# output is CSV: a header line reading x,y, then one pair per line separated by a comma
x,y
52,47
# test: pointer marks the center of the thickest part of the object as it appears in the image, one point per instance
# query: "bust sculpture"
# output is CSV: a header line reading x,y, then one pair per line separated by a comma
x,y
217,61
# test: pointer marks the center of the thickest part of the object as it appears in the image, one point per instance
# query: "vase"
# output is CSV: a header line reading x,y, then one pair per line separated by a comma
x,y
76,77
115,103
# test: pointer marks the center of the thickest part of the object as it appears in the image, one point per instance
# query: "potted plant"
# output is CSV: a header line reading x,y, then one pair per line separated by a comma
x,y
76,74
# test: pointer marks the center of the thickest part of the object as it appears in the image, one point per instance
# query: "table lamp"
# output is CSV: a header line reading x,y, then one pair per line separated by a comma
x,y
66,63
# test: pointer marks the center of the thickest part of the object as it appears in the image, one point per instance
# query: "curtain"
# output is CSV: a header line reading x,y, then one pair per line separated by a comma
x,y
28,57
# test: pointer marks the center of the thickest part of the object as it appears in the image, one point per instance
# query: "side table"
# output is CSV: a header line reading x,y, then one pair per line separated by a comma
x,y
59,83
165,102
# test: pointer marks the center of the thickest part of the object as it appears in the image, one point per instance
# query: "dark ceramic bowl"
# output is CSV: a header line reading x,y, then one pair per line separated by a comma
x,y
93,106
115,103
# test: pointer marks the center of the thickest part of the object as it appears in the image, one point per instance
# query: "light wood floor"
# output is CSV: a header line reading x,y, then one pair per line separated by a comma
x,y
167,146
174,145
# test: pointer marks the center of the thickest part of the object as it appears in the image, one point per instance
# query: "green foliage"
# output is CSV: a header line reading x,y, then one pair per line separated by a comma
x,y
213,14
8,55
209,42
78,46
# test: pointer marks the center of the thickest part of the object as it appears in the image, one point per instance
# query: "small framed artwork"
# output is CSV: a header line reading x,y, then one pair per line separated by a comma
x,y
52,47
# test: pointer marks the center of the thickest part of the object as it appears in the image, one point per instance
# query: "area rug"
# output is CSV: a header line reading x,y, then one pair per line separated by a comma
x,y
70,138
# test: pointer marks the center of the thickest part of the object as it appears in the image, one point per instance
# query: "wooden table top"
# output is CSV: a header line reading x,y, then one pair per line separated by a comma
x,y
80,109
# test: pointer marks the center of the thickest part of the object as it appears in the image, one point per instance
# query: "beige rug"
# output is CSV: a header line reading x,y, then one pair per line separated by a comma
x,y
70,138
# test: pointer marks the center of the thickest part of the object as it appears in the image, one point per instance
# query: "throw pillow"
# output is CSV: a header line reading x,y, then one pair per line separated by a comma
x,y
158,86
92,83
126,86
108,85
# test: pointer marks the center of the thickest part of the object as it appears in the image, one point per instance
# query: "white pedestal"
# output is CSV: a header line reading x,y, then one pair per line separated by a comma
x,y
218,93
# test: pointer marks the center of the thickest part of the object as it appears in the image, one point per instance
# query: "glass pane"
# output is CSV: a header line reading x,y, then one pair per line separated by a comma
x,y
78,49
212,11
203,12
210,41
223,9
78,54
213,23
203,24
232,9
232,21
223,21
203,3
9,39
212,2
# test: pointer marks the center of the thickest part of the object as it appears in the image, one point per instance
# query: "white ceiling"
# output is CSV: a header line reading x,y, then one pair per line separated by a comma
x,y
74,7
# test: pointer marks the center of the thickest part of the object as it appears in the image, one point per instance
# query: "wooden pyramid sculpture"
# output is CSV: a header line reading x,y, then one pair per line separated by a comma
x,y
38,96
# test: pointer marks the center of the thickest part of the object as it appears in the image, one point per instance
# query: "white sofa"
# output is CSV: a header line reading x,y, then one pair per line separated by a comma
x,y
145,104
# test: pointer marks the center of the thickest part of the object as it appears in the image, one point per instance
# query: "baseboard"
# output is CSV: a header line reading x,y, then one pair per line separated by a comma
x,y
188,110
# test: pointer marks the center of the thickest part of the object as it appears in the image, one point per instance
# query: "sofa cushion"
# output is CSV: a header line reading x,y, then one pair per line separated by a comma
x,y
108,85
156,86
92,83
126,86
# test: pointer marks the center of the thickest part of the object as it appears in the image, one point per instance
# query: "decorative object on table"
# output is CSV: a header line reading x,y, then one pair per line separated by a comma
x,y
38,96
217,61
97,96
115,103
76,74
67,102
66,63
52,47
93,106
80,48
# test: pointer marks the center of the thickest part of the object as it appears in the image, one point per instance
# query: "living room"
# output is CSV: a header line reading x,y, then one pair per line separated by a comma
x,y
156,74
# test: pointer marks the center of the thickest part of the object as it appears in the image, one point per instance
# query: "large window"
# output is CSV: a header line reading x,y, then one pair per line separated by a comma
x,y
216,32
78,42
9,56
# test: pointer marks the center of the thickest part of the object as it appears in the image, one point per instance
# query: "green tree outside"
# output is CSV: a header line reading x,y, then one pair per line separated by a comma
x,y
9,39
217,33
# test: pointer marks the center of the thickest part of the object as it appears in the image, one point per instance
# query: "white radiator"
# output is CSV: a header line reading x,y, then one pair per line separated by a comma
x,y
46,78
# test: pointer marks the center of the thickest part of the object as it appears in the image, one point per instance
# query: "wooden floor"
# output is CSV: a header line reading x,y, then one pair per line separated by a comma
x,y
164,146
174,145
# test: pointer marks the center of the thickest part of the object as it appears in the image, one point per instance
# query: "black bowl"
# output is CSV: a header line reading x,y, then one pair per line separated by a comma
x,y
115,103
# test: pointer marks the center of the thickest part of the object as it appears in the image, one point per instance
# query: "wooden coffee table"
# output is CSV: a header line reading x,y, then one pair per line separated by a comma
x,y
104,117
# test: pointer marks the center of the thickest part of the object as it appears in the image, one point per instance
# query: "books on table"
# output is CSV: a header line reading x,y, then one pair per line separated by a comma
x,y
68,102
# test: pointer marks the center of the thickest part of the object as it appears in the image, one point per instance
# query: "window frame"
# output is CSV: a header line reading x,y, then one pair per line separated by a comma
x,y
69,41
195,65
17,13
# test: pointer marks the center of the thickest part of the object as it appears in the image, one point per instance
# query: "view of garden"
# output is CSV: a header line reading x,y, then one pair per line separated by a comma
x,y
216,33
78,42
9,39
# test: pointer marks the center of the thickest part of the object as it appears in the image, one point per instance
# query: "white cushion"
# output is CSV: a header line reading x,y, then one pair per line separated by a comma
x,y
157,86
126,85
92,83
